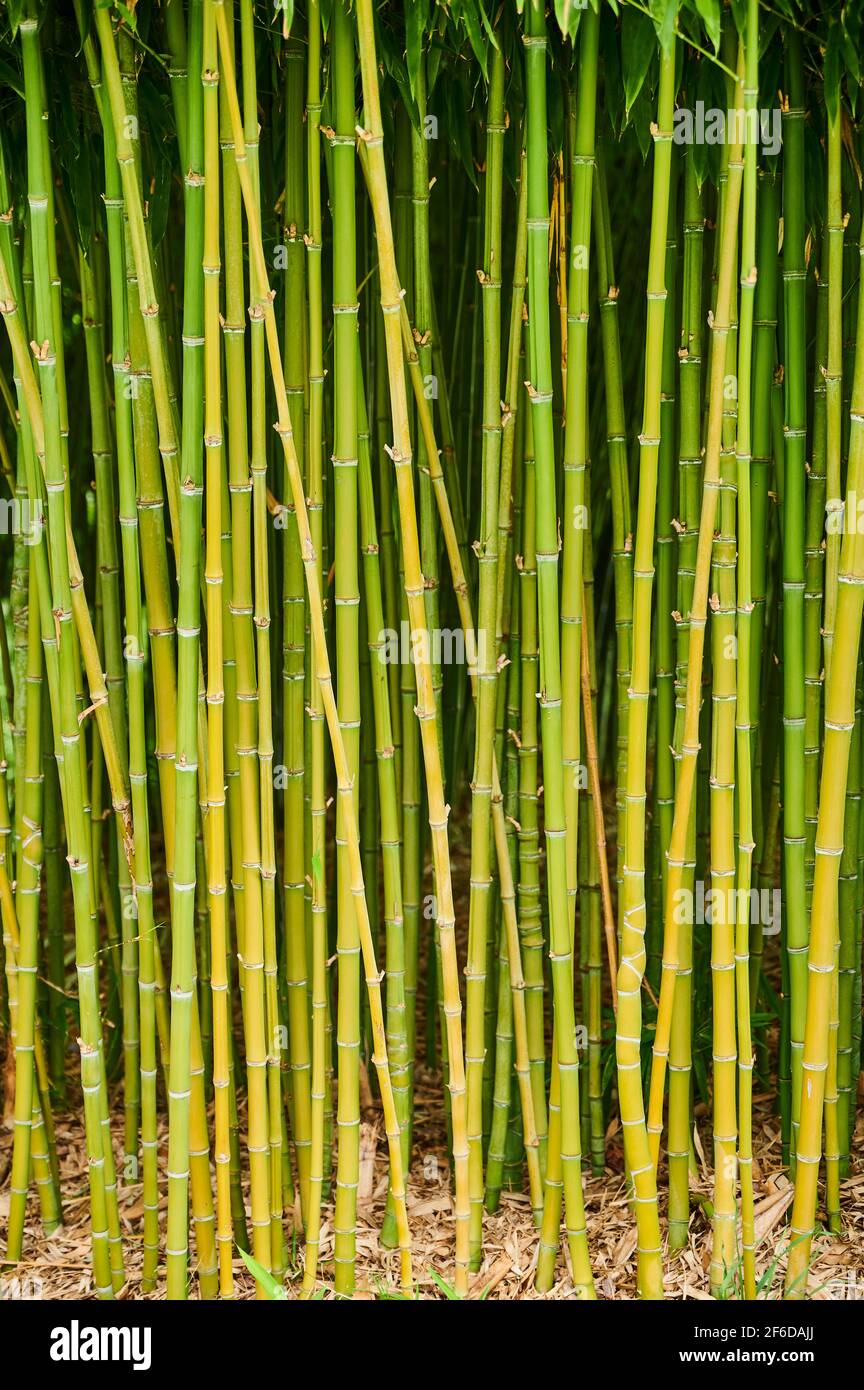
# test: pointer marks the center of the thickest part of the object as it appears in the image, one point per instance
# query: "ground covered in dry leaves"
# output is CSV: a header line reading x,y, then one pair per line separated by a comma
x,y
59,1266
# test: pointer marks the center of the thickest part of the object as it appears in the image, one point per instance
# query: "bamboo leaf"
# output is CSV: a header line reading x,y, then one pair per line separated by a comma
x,y
770,76
739,13
126,14
665,15
568,13
433,65
850,53
272,1288
396,69
832,72
642,118
392,1295
851,25
160,198
612,68
73,149
286,7
469,16
709,11
556,116
484,20
447,1289
608,1069
15,11
416,22
11,79
458,127
638,46
700,1074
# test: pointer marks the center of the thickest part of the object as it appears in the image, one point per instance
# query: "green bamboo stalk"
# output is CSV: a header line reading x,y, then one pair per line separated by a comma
x,y
26,909
689,492
214,580
504,1092
411,793
576,424
794,444
393,916
234,477
486,654
540,398
663,785
638,1155
722,774
188,634
55,957
616,447
109,595
345,310
814,561
48,446
744,726
315,704
764,349
293,631
840,699
247,848
677,907
423,322
43,1149
833,374
254,672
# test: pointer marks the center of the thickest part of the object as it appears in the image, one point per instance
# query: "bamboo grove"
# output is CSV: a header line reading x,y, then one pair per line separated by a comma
x,y
432,438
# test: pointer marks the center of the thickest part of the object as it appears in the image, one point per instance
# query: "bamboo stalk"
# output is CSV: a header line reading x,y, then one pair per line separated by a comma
x,y
322,662
639,1155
